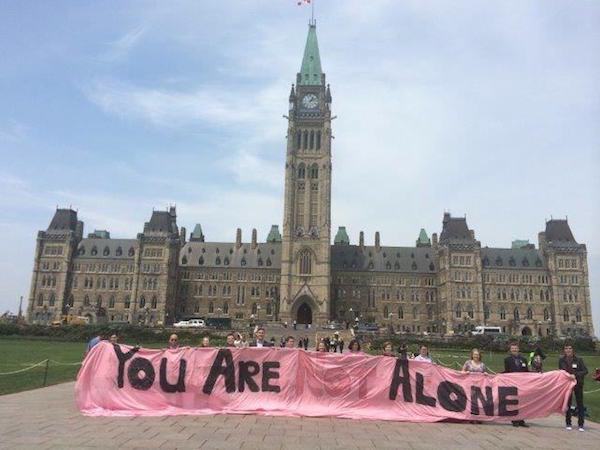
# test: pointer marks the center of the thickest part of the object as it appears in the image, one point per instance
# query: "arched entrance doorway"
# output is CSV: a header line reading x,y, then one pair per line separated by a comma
x,y
304,314
526,331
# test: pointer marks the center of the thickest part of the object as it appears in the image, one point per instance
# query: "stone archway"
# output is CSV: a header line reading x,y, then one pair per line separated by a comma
x,y
526,331
304,310
304,315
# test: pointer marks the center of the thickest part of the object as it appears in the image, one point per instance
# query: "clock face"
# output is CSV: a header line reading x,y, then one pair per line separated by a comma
x,y
310,101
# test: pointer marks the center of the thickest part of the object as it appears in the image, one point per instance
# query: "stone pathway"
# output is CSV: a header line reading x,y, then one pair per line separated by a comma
x,y
47,419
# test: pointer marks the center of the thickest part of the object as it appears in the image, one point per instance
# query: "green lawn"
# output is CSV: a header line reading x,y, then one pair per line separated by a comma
x,y
20,353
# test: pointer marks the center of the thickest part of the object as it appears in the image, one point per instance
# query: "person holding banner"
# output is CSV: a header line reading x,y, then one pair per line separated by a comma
x,y
230,340
173,342
576,367
475,363
354,346
388,349
423,354
290,342
260,339
322,347
515,362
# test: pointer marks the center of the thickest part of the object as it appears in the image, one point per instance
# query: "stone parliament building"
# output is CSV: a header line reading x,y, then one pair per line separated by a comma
x,y
446,284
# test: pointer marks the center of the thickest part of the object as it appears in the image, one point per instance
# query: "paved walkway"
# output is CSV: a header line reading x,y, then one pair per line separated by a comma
x,y
47,418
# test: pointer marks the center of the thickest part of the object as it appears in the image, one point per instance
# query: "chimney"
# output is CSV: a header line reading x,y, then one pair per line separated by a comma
x,y
238,238
254,244
361,240
182,234
434,239
377,243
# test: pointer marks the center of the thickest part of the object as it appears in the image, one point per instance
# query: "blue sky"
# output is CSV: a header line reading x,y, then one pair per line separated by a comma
x,y
485,109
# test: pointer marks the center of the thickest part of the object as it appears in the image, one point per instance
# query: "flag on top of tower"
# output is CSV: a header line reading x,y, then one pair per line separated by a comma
x,y
300,2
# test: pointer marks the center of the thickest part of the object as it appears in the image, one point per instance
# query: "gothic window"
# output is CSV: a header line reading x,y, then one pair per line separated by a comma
x,y
86,301
218,261
486,312
305,262
502,313
400,313
127,303
254,308
312,140
211,307
529,314
386,312
106,251
458,311
184,260
225,308
52,300
470,312
318,140
298,139
415,312
314,171
269,309
516,314
578,315
429,313
305,140
566,315
154,302
268,262
301,171
131,251
142,301
226,261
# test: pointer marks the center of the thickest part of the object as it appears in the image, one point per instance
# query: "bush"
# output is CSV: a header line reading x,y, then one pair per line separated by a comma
x,y
127,333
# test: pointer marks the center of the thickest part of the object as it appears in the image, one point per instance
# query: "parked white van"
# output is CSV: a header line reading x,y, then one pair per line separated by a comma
x,y
487,330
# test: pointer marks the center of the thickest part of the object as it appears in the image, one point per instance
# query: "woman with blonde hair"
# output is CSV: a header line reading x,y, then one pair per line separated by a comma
x,y
475,363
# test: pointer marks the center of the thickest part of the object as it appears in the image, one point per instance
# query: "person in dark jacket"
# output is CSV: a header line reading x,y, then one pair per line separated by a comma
x,y
576,367
515,362
260,340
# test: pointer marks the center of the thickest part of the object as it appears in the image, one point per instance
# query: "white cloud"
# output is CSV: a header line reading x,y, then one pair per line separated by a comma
x,y
120,48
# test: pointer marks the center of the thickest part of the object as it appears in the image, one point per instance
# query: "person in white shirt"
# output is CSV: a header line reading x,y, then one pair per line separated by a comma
x,y
260,339
423,354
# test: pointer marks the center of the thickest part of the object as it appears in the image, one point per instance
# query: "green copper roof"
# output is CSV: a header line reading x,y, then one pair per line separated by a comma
x,y
197,234
310,72
341,237
520,243
274,234
423,239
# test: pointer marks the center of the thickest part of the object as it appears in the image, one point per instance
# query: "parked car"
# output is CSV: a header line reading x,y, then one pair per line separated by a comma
x,y
367,327
192,323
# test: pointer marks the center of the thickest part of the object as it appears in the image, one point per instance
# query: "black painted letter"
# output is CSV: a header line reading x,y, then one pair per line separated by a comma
x,y
217,369
401,365
487,402
123,357
138,365
422,398
269,374
247,369
504,402
444,393
164,383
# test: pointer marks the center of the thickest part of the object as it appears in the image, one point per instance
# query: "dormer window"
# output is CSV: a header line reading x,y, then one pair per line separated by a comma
x,y
131,251
106,251
414,266
512,262
201,261
498,261
525,262
94,251
119,251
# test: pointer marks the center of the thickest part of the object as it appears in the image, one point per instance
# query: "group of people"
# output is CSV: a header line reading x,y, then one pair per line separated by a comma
x,y
515,362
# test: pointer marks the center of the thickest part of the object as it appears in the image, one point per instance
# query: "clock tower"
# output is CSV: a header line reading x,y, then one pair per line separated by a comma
x,y
305,259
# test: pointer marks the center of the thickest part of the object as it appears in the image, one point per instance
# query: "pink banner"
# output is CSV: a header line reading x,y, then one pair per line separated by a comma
x,y
120,381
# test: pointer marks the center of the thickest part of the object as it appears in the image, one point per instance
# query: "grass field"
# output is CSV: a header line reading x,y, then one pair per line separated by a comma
x,y
64,358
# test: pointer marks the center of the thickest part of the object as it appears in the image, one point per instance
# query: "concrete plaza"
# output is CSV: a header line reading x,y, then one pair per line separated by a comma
x,y
47,419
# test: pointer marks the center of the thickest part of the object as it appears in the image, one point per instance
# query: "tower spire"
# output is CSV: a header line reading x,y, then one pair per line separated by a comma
x,y
310,71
